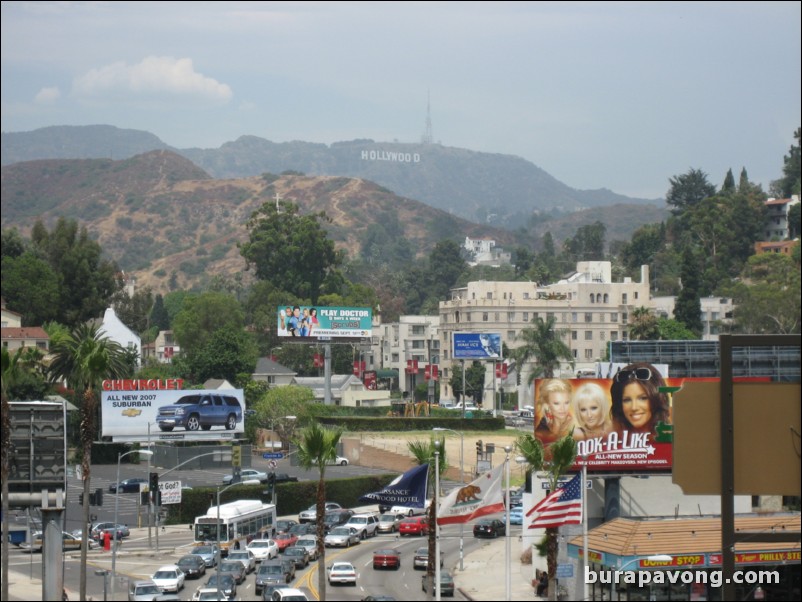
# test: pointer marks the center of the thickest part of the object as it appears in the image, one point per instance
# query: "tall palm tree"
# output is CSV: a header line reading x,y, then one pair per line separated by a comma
x,y
84,358
643,325
317,446
423,453
563,456
542,344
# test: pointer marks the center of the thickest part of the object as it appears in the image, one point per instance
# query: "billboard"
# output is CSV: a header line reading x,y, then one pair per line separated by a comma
x,y
37,454
323,323
476,345
172,414
620,424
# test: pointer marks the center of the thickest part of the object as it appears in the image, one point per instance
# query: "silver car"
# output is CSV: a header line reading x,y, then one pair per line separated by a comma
x,y
341,537
208,552
246,557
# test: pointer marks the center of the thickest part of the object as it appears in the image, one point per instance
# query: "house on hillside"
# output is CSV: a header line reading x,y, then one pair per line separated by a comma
x,y
346,389
273,373
777,227
15,336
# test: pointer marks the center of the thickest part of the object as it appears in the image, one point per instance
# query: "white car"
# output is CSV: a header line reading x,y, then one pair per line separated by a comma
x,y
247,474
310,514
246,557
263,549
309,543
366,525
336,461
342,572
169,578
207,594
409,510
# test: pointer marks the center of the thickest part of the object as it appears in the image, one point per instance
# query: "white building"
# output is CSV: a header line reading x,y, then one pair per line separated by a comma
x,y
587,305
412,338
483,251
777,217
115,330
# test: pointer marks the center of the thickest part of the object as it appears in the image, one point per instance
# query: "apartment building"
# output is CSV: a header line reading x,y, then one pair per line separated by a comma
x,y
411,339
587,305
777,217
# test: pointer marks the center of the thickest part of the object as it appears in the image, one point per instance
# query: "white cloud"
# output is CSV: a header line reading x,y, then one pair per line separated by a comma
x,y
47,96
154,78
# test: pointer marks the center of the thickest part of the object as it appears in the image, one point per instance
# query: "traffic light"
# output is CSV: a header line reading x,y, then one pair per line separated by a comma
x,y
271,480
92,498
236,455
81,499
99,496
479,447
154,484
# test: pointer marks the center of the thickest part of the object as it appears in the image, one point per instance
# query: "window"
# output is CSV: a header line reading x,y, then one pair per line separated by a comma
x,y
601,335
636,294
592,298
485,317
614,317
526,295
395,358
497,317
489,295
511,316
606,298
550,315
588,335
624,318
418,330
624,299
574,353
588,354
467,316
588,317
511,335
574,316
574,336
613,335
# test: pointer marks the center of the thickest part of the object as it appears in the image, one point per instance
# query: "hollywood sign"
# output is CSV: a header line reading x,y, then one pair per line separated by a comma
x,y
381,155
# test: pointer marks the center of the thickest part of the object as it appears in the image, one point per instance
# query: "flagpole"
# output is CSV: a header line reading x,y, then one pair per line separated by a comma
x,y
585,524
436,524
507,554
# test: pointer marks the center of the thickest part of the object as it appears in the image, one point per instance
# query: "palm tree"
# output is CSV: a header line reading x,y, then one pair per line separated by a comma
x,y
317,447
84,358
423,453
544,345
563,456
643,325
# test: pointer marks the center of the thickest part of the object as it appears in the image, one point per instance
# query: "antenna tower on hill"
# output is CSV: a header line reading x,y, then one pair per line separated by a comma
x,y
427,137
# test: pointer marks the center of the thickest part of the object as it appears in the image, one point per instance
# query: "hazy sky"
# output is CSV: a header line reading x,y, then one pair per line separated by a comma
x,y
621,95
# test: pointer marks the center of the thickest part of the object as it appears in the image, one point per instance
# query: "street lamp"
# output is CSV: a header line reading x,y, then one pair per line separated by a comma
x,y
507,553
146,452
436,525
462,480
219,556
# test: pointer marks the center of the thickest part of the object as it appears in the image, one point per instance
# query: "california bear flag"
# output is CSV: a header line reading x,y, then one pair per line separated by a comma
x,y
482,496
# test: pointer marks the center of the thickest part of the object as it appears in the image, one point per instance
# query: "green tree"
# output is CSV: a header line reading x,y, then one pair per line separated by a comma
x,y
317,447
276,404
688,189
672,330
729,183
794,221
561,457
202,315
423,452
474,382
158,314
544,346
290,250
134,310
767,297
588,243
642,249
643,325
228,352
688,308
30,284
84,358
790,182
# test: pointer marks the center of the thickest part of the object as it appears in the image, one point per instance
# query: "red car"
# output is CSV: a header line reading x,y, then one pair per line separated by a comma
x,y
285,540
386,559
414,525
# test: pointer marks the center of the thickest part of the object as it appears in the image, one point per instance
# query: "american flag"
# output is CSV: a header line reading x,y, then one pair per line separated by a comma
x,y
563,507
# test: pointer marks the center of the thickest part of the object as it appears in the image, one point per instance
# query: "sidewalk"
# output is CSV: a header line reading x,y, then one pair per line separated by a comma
x,y
484,576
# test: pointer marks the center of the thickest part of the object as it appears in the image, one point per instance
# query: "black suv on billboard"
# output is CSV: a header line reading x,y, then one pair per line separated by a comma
x,y
201,411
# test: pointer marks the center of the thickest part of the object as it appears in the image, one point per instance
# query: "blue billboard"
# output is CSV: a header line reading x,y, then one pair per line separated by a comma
x,y
477,345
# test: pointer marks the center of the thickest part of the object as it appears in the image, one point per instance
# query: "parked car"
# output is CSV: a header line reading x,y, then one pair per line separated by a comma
x,y
269,590
386,558
68,541
208,594
366,525
299,555
309,543
416,525
271,572
142,590
263,549
228,585
192,565
489,527
169,578
198,411
288,594
410,510
309,515
341,537
446,583
235,568
517,515
285,540
283,477
247,474
128,485
288,564
421,559
388,522
246,557
336,461
208,552
302,529
342,572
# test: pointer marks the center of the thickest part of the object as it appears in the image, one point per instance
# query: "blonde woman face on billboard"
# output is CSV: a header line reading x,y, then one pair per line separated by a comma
x,y
559,405
591,413
636,406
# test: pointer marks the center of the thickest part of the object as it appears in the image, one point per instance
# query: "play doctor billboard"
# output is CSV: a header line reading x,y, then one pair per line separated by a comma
x,y
324,323
136,414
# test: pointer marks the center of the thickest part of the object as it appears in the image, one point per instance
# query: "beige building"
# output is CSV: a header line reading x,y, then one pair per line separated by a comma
x,y
591,309
412,338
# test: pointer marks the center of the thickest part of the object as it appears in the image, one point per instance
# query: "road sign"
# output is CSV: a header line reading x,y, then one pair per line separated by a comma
x,y
272,455
272,464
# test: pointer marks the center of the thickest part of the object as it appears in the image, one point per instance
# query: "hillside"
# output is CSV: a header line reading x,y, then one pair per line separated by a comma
x,y
489,188
162,218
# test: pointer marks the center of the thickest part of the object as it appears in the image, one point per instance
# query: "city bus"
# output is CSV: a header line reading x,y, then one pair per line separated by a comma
x,y
240,522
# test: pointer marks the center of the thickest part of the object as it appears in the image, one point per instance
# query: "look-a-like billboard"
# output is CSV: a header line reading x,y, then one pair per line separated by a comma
x,y
620,424
182,415
476,345
324,323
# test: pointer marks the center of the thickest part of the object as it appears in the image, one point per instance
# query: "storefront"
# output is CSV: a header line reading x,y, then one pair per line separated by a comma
x,y
680,559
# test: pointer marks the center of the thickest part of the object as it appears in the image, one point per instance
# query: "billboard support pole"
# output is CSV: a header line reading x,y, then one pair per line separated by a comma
x,y
327,374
